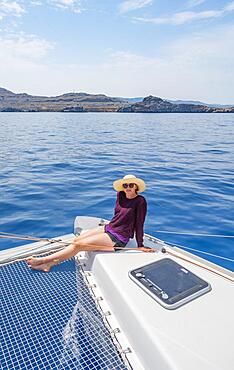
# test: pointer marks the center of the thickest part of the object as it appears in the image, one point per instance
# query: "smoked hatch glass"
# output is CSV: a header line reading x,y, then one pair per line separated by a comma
x,y
169,283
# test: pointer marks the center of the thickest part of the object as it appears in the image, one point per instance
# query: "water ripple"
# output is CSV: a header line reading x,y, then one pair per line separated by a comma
x,y
55,166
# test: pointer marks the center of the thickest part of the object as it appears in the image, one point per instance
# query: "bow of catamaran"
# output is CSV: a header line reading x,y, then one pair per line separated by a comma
x,y
166,310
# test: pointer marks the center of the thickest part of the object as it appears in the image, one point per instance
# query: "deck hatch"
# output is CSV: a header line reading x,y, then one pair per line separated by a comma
x,y
50,321
169,283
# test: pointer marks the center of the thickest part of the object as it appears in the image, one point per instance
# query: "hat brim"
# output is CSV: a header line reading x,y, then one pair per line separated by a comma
x,y
118,184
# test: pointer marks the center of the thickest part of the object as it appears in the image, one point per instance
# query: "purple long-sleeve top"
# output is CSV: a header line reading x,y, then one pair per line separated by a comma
x,y
129,218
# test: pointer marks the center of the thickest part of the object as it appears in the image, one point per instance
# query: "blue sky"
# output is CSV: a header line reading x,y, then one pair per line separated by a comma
x,y
177,49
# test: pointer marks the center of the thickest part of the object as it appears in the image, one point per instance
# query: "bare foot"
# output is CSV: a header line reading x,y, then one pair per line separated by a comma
x,y
32,261
45,267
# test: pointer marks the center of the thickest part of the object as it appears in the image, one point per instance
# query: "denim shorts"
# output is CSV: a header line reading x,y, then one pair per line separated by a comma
x,y
118,243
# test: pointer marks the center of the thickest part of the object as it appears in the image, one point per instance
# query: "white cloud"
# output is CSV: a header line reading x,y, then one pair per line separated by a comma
x,y
192,3
198,66
22,48
72,5
64,3
185,17
130,5
36,3
127,58
23,61
10,8
230,6
194,67
181,18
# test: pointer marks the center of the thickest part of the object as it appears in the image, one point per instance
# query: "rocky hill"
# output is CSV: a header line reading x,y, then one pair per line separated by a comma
x,y
70,102
83,102
152,104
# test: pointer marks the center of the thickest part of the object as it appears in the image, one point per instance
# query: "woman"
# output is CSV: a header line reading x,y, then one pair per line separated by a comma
x,y
129,217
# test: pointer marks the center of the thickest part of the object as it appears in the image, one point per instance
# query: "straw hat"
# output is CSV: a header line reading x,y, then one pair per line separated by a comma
x,y
118,184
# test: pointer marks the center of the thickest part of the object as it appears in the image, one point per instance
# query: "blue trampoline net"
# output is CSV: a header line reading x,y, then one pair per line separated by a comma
x,y
50,321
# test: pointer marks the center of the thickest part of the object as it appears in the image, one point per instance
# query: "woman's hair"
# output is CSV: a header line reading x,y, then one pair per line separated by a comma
x,y
137,189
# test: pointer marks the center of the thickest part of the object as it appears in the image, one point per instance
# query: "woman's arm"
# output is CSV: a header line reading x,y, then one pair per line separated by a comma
x,y
116,203
140,219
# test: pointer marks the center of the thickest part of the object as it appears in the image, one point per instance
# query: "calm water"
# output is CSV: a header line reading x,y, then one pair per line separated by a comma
x,y
55,166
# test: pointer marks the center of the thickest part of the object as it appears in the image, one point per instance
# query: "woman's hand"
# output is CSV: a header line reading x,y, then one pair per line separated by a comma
x,y
146,249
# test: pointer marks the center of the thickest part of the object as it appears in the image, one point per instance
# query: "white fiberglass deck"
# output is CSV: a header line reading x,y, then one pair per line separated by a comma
x,y
198,335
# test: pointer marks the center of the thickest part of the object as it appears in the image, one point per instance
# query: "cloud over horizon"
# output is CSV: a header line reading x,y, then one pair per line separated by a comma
x,y
188,61
101,50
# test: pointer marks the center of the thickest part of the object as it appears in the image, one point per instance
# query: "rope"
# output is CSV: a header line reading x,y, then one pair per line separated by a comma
x,y
64,244
164,250
195,234
19,256
27,237
197,250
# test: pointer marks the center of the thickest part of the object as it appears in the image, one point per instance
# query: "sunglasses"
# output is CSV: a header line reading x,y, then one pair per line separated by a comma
x,y
131,185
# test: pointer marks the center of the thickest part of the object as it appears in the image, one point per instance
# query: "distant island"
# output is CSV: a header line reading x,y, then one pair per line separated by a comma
x,y
83,102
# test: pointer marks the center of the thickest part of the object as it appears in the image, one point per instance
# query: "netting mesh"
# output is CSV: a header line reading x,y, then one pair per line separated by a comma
x,y
50,321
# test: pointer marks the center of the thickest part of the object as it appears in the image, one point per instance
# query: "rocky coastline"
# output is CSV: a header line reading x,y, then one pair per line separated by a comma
x,y
83,102
152,104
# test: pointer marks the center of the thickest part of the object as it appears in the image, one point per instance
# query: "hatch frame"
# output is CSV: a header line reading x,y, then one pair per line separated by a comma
x,y
198,285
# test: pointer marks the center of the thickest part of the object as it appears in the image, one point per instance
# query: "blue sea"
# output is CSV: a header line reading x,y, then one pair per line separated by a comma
x,y
55,166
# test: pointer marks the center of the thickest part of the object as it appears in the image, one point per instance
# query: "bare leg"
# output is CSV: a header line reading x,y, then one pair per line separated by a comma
x,y
96,231
97,242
